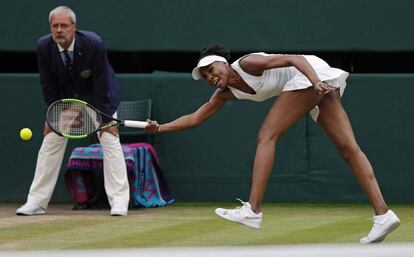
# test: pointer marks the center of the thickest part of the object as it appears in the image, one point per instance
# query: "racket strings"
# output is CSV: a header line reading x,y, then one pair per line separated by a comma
x,y
73,118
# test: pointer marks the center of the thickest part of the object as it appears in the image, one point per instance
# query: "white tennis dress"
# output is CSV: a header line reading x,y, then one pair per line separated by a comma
x,y
274,81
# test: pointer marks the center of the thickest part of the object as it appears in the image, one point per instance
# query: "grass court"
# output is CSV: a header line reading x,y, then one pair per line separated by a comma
x,y
193,225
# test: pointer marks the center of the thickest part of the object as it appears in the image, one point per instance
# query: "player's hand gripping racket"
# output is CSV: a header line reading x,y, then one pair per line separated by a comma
x,y
73,118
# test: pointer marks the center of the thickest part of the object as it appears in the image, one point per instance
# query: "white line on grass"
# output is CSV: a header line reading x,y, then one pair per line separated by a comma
x,y
314,250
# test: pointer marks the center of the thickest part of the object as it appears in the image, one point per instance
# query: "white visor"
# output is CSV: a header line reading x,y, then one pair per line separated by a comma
x,y
205,61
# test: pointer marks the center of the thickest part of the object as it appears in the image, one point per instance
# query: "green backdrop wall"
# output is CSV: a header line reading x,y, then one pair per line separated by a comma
x,y
241,25
213,161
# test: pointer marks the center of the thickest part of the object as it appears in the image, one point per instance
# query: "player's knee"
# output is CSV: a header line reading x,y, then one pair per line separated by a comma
x,y
348,150
268,136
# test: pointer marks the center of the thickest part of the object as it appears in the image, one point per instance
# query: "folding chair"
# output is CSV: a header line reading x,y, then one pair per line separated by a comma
x,y
134,110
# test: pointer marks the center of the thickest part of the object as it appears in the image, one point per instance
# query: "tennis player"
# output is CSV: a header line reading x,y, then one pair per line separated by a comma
x,y
303,84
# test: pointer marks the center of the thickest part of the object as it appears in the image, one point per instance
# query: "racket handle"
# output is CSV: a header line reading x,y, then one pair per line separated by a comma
x,y
135,124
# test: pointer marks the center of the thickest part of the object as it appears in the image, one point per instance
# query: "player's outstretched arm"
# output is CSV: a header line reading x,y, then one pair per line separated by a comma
x,y
193,119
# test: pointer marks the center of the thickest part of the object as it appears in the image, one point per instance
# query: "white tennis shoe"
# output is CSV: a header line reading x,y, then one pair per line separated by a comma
x,y
30,209
243,215
383,225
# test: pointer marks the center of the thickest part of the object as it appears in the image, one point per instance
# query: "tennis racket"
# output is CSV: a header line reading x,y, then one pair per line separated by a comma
x,y
73,118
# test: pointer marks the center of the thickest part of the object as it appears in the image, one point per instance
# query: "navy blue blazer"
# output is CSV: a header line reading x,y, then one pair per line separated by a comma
x,y
93,79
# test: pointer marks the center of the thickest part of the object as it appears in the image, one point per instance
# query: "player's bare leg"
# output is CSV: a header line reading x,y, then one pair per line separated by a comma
x,y
334,120
289,107
336,124
286,110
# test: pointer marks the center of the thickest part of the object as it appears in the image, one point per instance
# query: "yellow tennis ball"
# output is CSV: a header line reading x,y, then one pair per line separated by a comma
x,y
26,134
